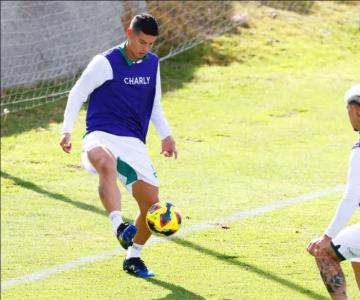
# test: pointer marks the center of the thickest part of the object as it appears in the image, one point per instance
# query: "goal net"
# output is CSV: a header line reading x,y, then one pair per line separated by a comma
x,y
46,44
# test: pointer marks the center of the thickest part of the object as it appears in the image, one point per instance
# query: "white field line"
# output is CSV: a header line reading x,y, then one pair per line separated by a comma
x,y
154,240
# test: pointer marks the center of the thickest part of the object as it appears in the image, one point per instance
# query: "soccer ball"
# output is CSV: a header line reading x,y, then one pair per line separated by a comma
x,y
163,219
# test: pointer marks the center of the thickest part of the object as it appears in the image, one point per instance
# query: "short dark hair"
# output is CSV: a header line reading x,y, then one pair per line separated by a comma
x,y
145,23
354,100
354,103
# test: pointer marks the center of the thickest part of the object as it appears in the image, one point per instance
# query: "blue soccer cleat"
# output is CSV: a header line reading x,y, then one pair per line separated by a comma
x,y
125,234
136,266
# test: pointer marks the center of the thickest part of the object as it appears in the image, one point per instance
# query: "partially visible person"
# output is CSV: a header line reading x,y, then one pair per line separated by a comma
x,y
339,243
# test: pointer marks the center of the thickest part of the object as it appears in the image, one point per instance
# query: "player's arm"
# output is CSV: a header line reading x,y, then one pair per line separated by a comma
x,y
346,208
96,73
168,147
343,214
351,198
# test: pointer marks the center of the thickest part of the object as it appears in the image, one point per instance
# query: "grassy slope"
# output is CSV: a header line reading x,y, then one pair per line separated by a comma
x,y
263,121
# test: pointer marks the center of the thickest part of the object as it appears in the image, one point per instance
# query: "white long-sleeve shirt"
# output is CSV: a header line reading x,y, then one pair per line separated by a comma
x,y
351,198
96,73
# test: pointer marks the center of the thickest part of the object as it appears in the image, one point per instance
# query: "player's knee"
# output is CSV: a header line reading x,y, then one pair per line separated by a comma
x,y
145,194
328,256
107,169
105,165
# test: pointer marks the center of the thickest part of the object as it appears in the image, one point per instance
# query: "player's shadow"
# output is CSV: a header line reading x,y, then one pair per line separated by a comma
x,y
57,196
233,260
177,292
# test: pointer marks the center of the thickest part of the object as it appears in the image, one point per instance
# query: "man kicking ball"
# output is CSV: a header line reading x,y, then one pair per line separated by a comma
x,y
124,91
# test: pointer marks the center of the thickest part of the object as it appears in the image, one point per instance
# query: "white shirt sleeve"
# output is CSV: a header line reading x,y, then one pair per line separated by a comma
x,y
157,114
351,199
96,73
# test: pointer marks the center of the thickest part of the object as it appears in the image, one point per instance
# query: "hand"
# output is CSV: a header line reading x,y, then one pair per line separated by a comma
x,y
65,142
319,245
168,147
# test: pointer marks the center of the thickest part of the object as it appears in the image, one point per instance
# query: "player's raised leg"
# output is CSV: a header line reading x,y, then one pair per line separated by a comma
x,y
105,165
145,195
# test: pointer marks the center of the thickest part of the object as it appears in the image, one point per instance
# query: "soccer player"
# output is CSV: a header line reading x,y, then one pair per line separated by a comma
x,y
338,244
124,91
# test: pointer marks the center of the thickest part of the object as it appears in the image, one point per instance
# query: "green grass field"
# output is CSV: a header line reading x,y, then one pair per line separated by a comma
x,y
258,117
